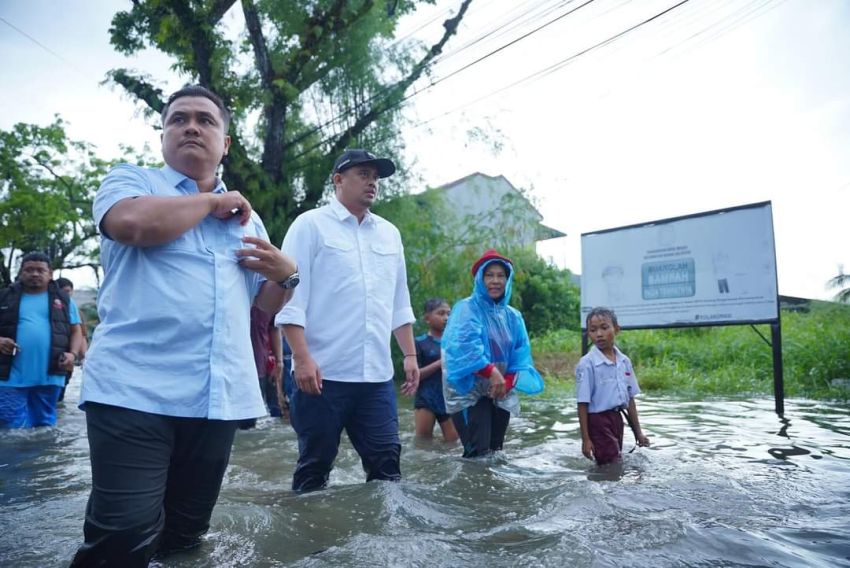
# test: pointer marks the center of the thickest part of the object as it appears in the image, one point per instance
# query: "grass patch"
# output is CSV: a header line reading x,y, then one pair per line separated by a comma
x,y
722,361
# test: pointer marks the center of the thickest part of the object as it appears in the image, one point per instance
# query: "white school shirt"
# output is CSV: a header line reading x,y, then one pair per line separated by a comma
x,y
353,291
603,383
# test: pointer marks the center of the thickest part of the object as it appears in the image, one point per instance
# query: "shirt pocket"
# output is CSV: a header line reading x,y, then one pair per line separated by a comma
x,y
385,257
230,238
340,254
606,375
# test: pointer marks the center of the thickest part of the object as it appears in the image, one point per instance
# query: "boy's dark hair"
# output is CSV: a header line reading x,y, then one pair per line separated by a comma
x,y
198,91
434,303
63,282
602,313
35,257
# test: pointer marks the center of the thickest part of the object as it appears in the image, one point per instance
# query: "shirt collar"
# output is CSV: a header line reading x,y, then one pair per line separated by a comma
x,y
599,358
342,213
177,179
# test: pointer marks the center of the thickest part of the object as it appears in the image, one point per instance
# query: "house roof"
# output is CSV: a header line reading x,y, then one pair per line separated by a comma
x,y
548,232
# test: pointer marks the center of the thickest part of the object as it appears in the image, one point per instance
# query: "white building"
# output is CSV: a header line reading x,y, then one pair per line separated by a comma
x,y
494,204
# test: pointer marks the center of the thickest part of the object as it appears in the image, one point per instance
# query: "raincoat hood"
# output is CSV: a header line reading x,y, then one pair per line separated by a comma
x,y
480,332
479,289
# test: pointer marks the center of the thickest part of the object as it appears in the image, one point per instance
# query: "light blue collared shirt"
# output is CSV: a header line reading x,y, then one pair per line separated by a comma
x,y
174,335
603,383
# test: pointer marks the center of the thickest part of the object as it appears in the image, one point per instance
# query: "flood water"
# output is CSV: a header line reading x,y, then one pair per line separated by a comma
x,y
726,483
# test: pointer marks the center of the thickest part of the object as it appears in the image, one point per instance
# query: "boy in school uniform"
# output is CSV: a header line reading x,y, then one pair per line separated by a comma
x,y
429,405
605,384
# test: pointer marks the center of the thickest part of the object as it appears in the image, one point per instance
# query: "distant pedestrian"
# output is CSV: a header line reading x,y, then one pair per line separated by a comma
x,y
40,340
430,405
487,357
68,287
268,358
605,385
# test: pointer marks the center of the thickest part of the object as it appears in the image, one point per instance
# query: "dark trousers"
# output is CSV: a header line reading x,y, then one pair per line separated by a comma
x,y
368,414
606,432
481,427
155,481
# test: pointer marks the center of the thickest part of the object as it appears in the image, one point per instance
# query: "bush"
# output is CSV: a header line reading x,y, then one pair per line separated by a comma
x,y
730,360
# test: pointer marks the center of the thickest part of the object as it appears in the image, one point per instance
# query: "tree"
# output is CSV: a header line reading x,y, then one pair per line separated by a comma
x,y
440,248
48,182
841,282
305,80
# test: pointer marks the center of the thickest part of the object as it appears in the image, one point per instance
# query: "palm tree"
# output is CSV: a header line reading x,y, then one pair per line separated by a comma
x,y
842,282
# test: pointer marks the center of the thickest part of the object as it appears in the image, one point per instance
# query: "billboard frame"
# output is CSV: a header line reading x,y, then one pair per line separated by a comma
x,y
775,323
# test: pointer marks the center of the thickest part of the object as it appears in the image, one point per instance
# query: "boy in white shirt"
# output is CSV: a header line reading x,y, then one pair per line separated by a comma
x,y
605,384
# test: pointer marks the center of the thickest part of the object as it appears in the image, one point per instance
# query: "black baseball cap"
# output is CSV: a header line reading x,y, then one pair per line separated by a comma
x,y
357,157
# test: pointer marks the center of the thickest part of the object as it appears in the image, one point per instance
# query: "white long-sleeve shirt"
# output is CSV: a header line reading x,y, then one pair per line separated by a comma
x,y
353,291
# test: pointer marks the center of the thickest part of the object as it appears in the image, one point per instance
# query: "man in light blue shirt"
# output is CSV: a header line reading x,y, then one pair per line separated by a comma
x,y
170,371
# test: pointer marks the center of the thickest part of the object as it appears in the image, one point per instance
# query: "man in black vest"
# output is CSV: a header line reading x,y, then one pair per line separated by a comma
x,y
40,340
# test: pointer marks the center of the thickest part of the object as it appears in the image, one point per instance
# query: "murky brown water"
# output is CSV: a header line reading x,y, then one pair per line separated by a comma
x,y
726,483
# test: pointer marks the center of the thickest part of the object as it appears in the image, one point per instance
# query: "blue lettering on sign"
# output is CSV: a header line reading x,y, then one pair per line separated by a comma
x,y
668,279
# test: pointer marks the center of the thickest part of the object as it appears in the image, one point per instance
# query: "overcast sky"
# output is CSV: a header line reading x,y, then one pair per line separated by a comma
x,y
718,103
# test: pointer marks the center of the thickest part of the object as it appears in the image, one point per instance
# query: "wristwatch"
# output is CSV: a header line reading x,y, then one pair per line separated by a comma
x,y
290,281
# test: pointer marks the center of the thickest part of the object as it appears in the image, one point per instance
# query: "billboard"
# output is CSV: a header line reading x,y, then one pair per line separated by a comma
x,y
717,267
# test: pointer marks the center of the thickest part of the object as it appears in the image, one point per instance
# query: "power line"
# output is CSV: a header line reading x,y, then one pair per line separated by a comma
x,y
432,84
748,14
380,93
507,45
44,47
531,77
504,27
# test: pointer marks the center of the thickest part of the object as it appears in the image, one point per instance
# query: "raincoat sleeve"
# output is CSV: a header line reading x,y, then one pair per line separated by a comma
x,y
528,379
463,347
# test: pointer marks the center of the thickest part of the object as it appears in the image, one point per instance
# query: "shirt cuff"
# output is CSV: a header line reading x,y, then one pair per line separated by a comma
x,y
290,315
402,317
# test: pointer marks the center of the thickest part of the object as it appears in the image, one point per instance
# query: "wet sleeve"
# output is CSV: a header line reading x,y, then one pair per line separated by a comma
x,y
527,379
402,312
299,244
122,182
584,381
463,348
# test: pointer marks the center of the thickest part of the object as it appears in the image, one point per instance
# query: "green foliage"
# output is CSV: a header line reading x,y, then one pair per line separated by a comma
x,y
304,80
48,182
840,282
545,294
732,360
440,250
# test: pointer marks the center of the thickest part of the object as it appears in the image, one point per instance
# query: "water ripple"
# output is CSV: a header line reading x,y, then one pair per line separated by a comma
x,y
725,483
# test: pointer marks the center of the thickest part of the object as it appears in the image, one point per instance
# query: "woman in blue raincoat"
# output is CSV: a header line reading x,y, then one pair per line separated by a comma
x,y
487,358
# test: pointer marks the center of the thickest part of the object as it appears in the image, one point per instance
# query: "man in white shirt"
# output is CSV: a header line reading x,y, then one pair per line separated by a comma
x,y
352,294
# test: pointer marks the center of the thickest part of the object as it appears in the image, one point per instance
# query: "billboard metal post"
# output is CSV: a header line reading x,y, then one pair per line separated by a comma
x,y
778,380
